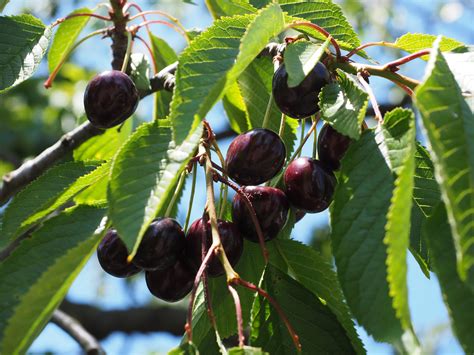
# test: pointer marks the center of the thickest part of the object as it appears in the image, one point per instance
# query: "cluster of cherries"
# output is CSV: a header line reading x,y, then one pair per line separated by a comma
x,y
169,256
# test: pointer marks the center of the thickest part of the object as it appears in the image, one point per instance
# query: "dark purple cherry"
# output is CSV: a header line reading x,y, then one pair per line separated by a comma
x,y
112,254
231,240
309,184
332,146
162,244
299,214
300,101
171,284
110,98
255,156
271,207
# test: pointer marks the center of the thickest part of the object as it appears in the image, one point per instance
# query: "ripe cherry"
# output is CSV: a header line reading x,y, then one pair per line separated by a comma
x,y
309,184
271,207
255,156
112,254
231,240
162,244
300,101
332,146
110,98
171,284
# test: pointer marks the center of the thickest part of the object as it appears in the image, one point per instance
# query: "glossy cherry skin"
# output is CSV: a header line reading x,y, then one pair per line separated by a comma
x,y
300,101
162,244
255,156
171,284
332,146
110,98
271,207
231,240
112,254
309,184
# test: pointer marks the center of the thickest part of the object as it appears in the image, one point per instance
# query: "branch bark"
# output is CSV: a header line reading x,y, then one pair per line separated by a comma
x,y
71,326
101,323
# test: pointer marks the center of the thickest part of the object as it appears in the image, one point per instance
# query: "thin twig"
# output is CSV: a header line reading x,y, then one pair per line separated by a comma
x,y
238,312
373,100
71,326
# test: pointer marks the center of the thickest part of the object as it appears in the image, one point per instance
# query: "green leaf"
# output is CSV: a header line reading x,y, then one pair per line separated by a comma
x,y
144,174
3,3
66,36
399,137
255,86
23,44
458,297
235,109
300,59
37,275
414,42
317,327
220,8
358,218
449,126
106,145
164,55
311,270
140,72
247,350
325,14
461,65
214,60
344,104
39,195
426,196
184,349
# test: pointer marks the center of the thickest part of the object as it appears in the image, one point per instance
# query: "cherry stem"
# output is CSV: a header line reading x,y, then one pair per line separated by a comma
x,y
253,215
373,100
266,118
61,20
315,140
49,82
191,199
238,312
275,305
152,55
223,191
188,327
406,89
161,22
282,125
176,194
320,30
393,66
161,13
369,44
128,52
303,142
303,127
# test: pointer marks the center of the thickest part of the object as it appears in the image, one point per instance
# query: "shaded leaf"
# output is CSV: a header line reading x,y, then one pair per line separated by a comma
x,y
449,126
462,66
23,44
318,329
235,109
344,104
37,275
311,270
458,297
164,55
140,72
246,350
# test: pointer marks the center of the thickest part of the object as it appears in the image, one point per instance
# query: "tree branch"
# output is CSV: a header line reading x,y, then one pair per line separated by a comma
x,y
71,326
101,323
